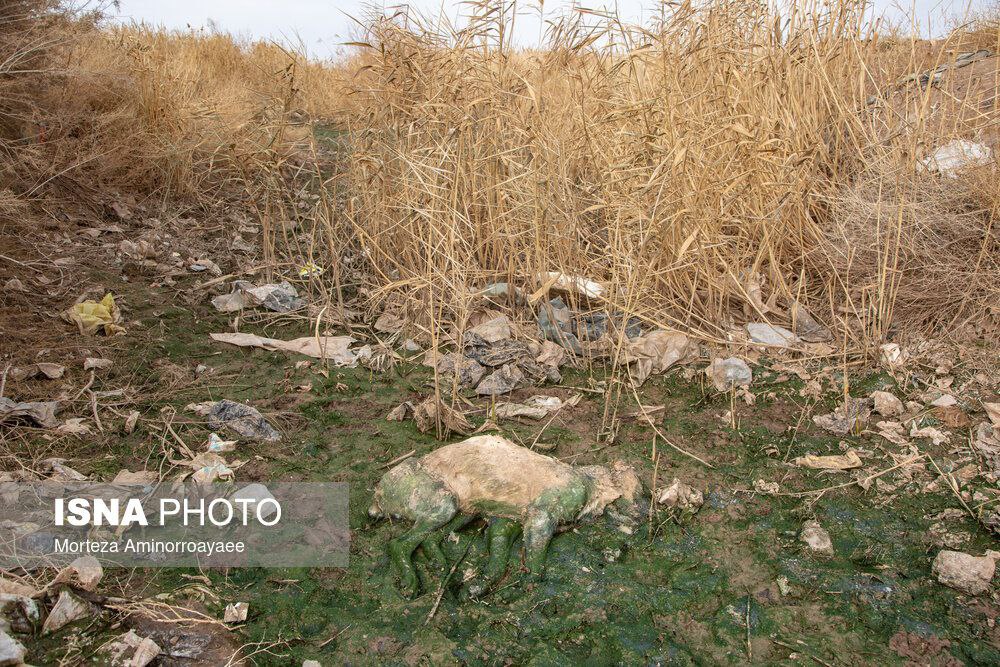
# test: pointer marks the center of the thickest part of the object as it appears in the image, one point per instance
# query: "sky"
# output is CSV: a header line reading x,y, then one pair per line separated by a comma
x,y
321,26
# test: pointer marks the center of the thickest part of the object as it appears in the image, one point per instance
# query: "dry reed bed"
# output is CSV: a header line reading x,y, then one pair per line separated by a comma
x,y
720,147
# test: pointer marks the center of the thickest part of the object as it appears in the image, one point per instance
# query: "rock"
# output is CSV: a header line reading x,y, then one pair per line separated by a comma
x,y
729,373
243,420
501,381
85,572
887,404
94,363
236,612
772,335
963,572
681,496
494,330
131,650
18,613
50,371
68,608
816,539
12,652
311,663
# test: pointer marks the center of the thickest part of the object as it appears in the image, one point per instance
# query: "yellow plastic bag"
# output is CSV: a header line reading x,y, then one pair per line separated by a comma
x,y
91,316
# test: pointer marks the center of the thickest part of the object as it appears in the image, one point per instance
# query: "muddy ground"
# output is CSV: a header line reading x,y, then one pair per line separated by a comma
x,y
729,585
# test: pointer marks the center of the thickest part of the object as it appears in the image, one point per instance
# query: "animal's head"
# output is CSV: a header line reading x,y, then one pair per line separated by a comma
x,y
616,489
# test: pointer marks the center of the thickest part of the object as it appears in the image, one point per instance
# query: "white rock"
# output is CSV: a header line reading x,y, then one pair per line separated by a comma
x,y
817,539
681,495
311,663
12,652
771,335
68,608
887,404
963,572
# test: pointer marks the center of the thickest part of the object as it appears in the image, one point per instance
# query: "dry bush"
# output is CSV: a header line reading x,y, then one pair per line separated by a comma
x,y
675,163
160,115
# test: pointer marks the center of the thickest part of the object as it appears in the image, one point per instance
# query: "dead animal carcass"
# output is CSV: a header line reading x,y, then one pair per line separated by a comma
x,y
515,488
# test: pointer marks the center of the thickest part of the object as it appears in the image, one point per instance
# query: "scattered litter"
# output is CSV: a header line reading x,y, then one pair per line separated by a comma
x,y
244,420
200,265
279,297
576,284
141,249
85,573
334,348
993,412
837,462
894,432
816,538
310,269
389,322
201,409
763,486
936,436
217,444
892,355
681,496
772,335
849,418
886,404
131,650
42,413
964,572
236,612
657,352
806,327
469,371
944,401
410,345
536,407
957,155
94,363
74,426
501,381
256,494
783,586
209,467
68,608
12,652
401,412
91,316
57,470
727,374
430,412
51,371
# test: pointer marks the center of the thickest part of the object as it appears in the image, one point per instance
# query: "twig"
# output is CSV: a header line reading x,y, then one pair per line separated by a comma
x,y
398,459
801,494
444,584
3,380
665,439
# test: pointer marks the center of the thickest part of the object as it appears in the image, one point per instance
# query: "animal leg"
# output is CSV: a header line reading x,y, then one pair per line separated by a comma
x,y
432,545
539,526
401,549
500,535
